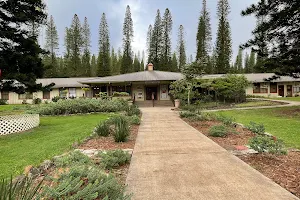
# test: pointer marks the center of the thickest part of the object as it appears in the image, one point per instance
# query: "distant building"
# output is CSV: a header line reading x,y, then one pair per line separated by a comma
x,y
141,86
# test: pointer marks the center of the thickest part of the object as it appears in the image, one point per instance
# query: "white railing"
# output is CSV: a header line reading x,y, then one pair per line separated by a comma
x,y
17,123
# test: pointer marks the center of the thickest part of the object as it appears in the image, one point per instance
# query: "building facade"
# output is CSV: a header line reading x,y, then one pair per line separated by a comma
x,y
143,86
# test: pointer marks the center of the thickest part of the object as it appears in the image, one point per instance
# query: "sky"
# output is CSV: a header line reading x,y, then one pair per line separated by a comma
x,y
184,12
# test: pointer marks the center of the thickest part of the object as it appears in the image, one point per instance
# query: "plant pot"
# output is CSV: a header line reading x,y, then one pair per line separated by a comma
x,y
177,103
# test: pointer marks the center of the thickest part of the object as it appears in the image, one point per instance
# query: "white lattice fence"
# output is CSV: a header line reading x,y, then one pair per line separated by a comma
x,y
18,123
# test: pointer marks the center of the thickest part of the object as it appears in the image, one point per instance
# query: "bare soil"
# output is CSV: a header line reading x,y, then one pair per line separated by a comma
x,y
283,169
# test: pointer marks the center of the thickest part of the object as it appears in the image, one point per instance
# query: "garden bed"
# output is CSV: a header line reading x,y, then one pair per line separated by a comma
x,y
108,143
282,169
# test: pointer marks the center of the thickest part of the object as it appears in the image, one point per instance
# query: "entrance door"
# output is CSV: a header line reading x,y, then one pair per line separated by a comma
x,y
281,90
149,91
289,91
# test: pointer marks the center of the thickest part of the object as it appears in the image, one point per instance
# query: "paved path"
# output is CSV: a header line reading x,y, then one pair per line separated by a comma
x,y
172,160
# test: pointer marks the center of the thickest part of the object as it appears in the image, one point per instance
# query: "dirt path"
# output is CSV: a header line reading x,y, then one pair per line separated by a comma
x,y
172,160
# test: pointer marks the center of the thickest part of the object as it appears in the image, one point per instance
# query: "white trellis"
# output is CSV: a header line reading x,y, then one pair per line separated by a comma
x,y
18,123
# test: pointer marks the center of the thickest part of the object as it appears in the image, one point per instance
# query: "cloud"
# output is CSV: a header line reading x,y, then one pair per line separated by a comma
x,y
140,21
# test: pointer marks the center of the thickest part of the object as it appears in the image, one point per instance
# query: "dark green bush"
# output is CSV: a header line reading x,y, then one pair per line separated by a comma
x,y
187,114
264,143
3,102
55,99
121,129
225,120
218,131
75,106
120,94
256,128
134,120
113,159
133,110
102,129
36,101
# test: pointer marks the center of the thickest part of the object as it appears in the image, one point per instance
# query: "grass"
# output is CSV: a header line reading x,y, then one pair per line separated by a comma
x,y
256,104
12,109
54,136
281,122
288,98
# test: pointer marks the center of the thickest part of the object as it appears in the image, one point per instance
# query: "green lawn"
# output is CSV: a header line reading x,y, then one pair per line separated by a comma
x,y
288,98
256,104
54,136
12,109
281,122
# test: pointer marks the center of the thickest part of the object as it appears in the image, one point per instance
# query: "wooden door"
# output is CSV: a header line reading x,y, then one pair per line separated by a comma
x,y
281,90
289,91
149,91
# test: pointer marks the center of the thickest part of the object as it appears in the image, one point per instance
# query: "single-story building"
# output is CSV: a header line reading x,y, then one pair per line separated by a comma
x,y
142,85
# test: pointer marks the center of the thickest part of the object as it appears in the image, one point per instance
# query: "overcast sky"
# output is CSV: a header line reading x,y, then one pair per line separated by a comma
x,y
185,12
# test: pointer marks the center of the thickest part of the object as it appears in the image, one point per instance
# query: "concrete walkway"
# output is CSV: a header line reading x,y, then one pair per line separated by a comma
x,y
172,160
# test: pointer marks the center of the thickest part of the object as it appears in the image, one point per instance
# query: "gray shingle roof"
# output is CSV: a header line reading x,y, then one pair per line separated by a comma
x,y
62,82
135,77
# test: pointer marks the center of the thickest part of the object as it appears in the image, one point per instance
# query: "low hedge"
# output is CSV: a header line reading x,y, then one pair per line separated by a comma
x,y
76,106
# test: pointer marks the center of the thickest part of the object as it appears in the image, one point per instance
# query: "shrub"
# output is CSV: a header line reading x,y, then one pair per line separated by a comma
x,y
3,102
113,159
134,120
256,128
55,99
121,130
218,131
225,120
120,94
81,182
133,110
102,129
264,143
36,101
73,158
24,189
75,106
187,114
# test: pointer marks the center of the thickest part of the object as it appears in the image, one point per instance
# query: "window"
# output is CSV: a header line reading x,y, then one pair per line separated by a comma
x,y
256,88
26,96
63,92
5,95
46,94
260,88
72,92
273,87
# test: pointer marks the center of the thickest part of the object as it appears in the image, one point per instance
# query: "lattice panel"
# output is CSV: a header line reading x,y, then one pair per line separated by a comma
x,y
18,123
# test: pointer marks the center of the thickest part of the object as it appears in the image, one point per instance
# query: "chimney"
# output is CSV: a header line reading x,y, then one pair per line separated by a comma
x,y
150,67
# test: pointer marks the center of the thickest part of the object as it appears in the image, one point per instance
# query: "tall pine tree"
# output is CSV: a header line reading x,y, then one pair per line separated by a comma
x,y
174,63
156,42
115,70
127,39
204,34
238,65
252,62
94,66
104,48
223,43
51,46
149,50
181,48
75,44
246,64
136,64
20,54
86,57
166,55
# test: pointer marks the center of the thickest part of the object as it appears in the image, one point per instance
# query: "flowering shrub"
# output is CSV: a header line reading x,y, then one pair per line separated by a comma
x,y
75,106
265,143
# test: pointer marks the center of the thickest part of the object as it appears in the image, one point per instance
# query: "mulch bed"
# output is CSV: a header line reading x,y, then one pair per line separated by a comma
x,y
283,169
236,137
108,143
